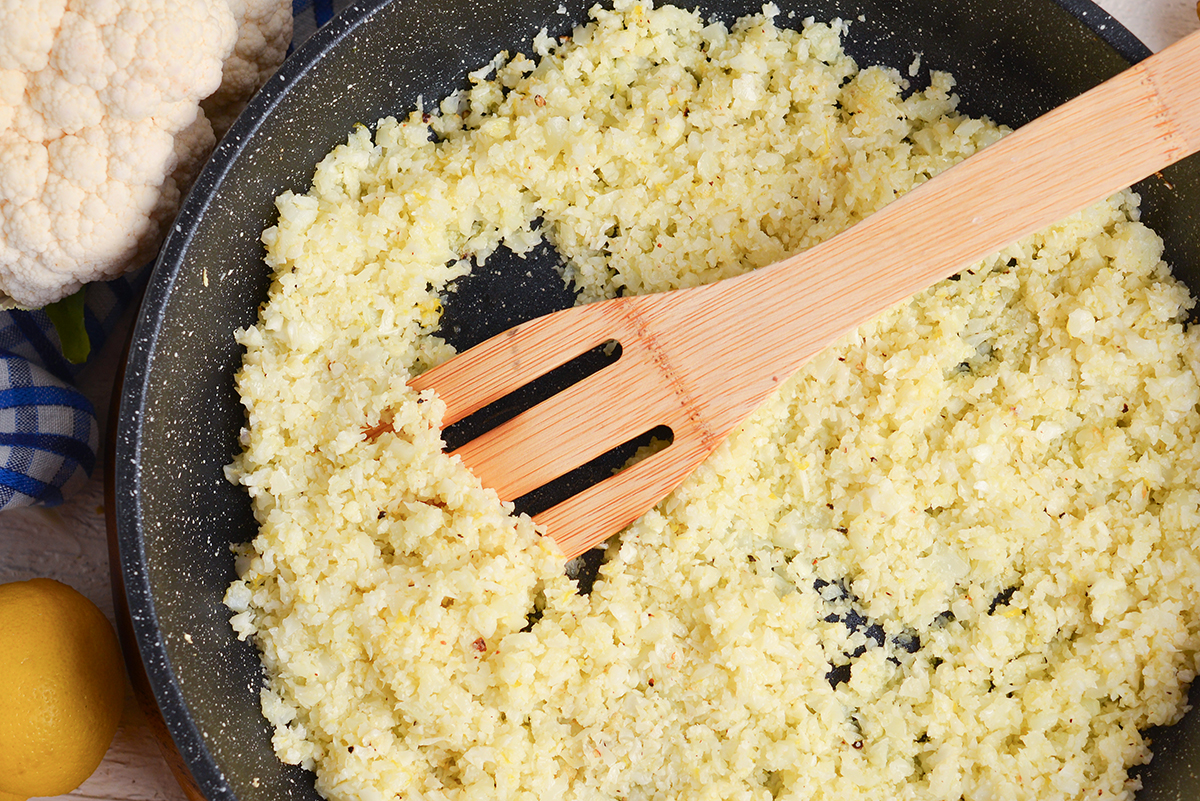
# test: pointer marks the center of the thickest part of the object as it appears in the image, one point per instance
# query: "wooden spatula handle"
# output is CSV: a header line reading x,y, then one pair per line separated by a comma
x,y
1120,132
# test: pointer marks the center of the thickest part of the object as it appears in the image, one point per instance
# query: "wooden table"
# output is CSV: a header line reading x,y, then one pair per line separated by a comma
x,y
69,543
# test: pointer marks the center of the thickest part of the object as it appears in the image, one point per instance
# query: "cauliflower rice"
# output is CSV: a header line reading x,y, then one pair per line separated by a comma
x,y
951,558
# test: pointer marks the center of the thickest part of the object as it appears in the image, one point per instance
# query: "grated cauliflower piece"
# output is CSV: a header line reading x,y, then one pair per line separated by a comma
x,y
102,127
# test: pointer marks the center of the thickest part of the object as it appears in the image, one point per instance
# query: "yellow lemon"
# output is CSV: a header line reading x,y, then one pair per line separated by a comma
x,y
62,688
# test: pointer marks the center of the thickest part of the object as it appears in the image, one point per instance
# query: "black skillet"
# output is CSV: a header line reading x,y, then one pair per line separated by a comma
x,y
172,514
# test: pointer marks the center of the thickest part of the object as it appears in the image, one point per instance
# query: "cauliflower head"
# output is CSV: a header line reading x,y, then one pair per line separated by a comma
x,y
108,109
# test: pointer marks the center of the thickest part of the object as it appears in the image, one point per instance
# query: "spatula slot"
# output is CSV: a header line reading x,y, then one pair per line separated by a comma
x,y
531,394
614,461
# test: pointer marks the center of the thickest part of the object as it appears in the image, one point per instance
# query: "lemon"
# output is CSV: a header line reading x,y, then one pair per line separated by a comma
x,y
62,688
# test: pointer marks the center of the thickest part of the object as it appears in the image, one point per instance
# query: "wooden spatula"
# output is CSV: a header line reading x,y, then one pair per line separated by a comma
x,y
700,360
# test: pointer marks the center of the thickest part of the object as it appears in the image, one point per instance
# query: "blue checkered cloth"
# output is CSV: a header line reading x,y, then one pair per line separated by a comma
x,y
49,437
308,15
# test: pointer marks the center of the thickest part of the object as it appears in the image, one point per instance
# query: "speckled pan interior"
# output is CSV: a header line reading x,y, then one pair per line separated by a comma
x,y
174,516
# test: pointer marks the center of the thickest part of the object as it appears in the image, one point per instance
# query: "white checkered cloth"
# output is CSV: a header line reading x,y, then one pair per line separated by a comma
x,y
49,438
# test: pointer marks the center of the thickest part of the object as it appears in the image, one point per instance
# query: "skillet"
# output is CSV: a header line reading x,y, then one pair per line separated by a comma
x,y
176,417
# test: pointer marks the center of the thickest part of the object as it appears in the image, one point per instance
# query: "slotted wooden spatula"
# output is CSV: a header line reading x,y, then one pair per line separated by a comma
x,y
700,360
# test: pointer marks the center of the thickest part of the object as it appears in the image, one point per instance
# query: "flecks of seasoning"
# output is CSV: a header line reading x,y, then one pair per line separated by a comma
x,y
858,744
479,645
539,100
204,276
650,682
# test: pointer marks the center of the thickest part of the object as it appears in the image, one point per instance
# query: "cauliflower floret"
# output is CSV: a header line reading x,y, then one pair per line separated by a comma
x,y
264,32
104,122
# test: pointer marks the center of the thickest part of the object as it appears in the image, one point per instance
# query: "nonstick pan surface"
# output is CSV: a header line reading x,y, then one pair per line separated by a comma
x,y
174,516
